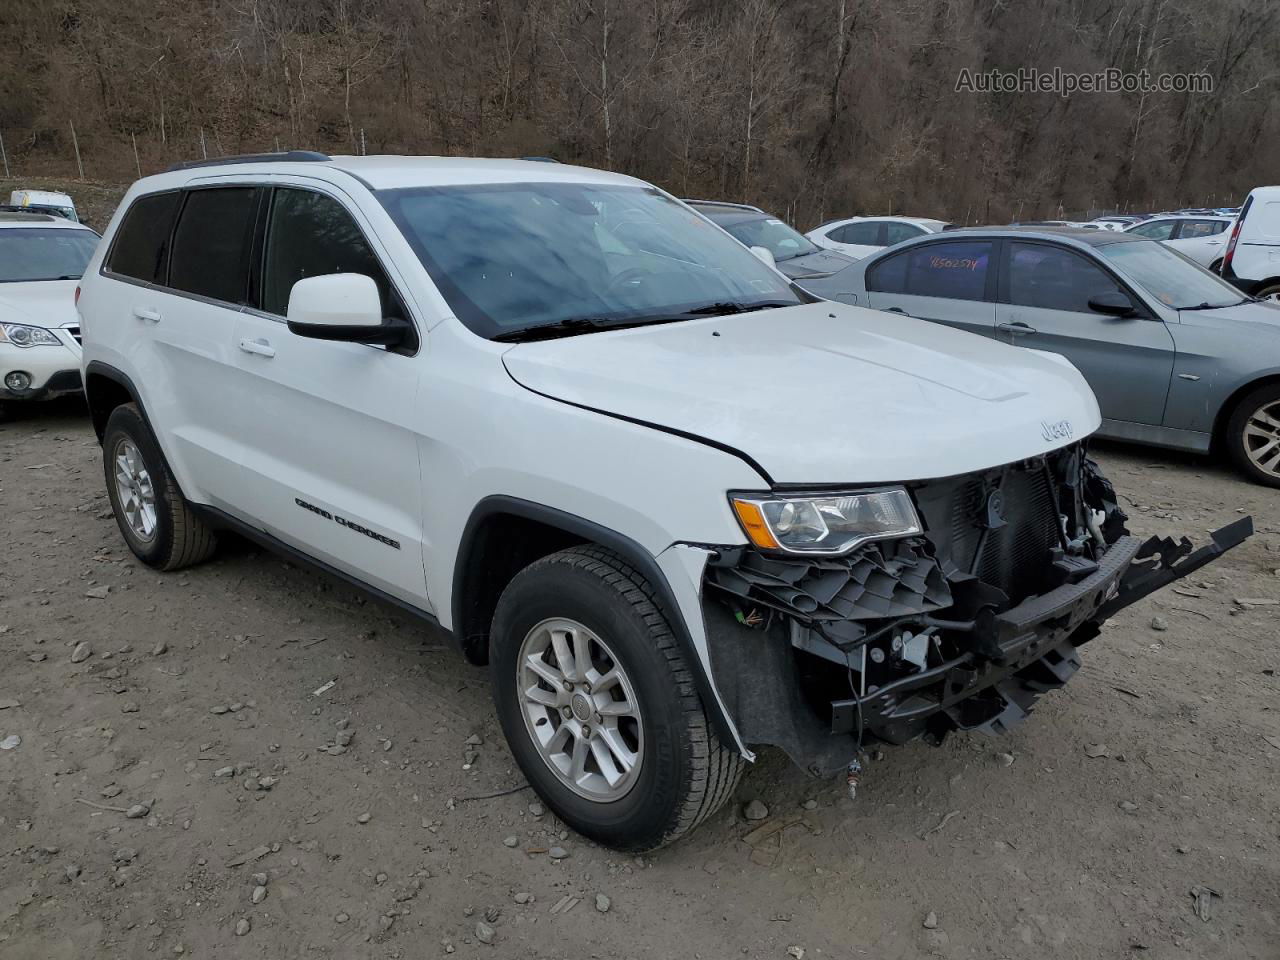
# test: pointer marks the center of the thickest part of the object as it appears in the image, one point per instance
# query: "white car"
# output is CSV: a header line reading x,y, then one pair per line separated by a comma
x,y
44,201
1117,223
680,507
1203,238
41,258
1252,257
860,237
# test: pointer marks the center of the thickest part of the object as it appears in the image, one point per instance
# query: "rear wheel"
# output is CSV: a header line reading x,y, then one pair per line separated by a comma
x,y
1253,435
1269,292
153,516
1216,266
599,705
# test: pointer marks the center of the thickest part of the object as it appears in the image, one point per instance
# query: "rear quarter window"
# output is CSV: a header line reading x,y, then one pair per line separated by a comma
x,y
140,250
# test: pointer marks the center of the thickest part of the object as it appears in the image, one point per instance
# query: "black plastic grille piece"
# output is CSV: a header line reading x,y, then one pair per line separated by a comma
x,y
1013,557
886,580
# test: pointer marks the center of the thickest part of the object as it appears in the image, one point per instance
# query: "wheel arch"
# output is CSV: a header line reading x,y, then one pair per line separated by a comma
x,y
106,388
1229,405
514,533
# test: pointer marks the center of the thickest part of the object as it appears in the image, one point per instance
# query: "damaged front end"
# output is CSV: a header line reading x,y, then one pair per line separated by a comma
x,y
959,627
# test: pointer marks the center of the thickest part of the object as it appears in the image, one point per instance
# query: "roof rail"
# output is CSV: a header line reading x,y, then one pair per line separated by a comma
x,y
287,156
723,203
541,159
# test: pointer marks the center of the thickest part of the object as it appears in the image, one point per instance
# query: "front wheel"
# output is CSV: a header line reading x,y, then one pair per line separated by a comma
x,y
1253,435
599,705
1271,292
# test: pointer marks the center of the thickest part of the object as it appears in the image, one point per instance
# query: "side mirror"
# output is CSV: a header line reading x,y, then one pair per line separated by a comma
x,y
340,306
1113,304
765,256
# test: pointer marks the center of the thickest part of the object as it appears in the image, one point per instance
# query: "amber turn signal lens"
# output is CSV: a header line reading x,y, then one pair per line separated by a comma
x,y
753,523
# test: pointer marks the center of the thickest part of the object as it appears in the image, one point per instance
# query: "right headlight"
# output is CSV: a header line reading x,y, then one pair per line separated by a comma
x,y
24,335
828,525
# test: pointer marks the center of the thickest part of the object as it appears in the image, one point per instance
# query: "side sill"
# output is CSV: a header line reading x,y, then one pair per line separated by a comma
x,y
224,521
1170,438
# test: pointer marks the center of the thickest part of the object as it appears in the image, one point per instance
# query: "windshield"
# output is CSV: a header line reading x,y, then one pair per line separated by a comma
x,y
1170,277
44,253
782,241
510,257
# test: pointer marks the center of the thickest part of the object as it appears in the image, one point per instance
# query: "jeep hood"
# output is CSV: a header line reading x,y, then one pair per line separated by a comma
x,y
824,393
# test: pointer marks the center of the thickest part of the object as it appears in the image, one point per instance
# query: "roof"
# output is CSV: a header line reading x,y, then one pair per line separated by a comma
x,y
1207,215
1092,238
390,172
936,225
723,206
16,219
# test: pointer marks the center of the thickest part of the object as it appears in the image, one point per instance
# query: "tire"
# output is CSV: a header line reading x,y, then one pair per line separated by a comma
x,y
683,774
1216,267
177,537
1243,447
1270,290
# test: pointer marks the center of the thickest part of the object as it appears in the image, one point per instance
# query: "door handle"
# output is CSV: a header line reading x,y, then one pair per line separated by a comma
x,y
1015,328
145,313
1215,243
259,348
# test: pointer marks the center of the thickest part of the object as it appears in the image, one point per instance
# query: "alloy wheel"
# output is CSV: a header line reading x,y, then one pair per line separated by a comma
x,y
580,709
1262,438
134,490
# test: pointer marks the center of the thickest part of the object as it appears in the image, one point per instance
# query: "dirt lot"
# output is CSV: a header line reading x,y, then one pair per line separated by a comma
x,y
198,706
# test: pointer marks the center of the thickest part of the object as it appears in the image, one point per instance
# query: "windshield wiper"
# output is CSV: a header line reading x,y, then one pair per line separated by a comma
x,y
732,306
572,326
1212,306
568,327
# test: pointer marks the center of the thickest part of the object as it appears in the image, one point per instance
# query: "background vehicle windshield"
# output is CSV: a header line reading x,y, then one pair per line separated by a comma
x,y
515,256
44,254
1170,277
775,236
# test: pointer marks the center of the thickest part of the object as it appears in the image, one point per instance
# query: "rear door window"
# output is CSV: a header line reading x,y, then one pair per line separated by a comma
x,y
310,234
1052,278
140,250
1191,229
212,241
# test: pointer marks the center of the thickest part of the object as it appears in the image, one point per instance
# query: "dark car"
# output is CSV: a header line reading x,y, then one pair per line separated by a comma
x,y
794,254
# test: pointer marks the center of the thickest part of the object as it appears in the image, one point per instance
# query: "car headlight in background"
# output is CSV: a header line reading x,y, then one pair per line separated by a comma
x,y
22,335
828,525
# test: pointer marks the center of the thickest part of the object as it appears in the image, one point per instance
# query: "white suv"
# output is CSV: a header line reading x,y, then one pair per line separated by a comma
x,y
1252,259
680,507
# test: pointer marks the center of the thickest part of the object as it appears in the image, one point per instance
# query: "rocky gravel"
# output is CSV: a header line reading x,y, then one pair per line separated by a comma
x,y
247,759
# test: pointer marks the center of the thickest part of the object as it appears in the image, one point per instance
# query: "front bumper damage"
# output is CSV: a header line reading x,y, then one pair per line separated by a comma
x,y
963,628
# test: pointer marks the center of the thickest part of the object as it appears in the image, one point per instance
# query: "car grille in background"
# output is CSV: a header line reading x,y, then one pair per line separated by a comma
x,y
74,331
1011,557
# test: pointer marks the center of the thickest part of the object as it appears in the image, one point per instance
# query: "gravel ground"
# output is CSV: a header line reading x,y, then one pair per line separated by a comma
x,y
248,759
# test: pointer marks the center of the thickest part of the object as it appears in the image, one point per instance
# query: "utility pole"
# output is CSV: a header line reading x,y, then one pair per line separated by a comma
x,y
4,156
136,162
75,142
